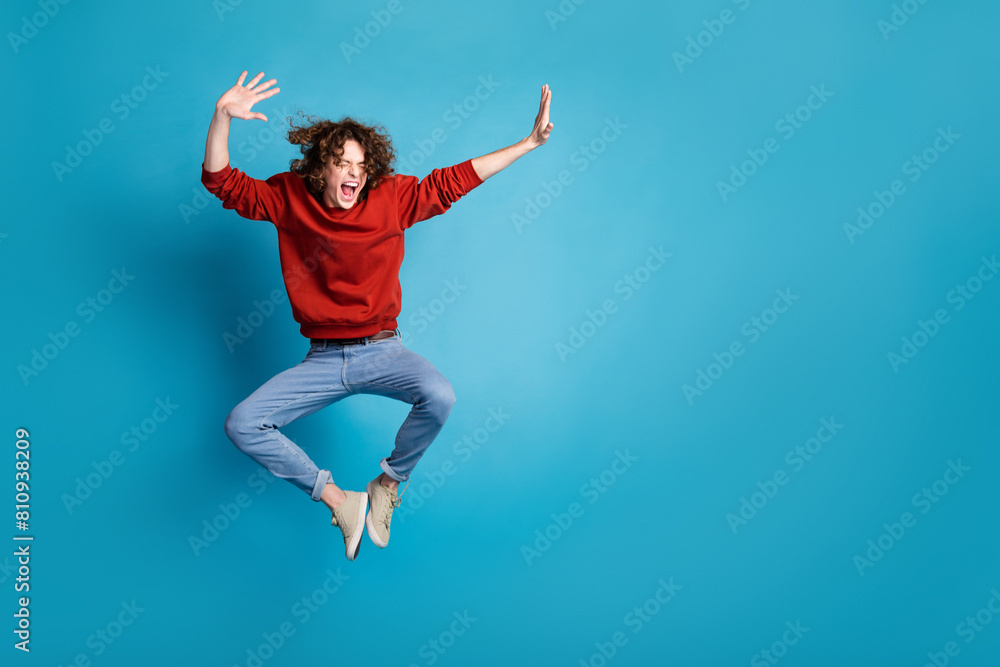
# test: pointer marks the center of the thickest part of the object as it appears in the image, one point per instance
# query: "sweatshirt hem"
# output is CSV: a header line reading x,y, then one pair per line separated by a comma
x,y
346,330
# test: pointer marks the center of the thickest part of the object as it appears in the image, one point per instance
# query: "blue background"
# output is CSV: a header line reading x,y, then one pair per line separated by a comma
x,y
464,546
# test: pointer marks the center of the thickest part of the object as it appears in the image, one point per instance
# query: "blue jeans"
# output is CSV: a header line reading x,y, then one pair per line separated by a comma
x,y
329,373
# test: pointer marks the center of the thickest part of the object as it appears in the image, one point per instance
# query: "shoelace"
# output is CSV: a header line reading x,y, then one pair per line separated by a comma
x,y
394,502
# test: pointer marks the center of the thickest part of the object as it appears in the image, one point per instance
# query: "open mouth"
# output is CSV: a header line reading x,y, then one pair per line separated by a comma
x,y
348,189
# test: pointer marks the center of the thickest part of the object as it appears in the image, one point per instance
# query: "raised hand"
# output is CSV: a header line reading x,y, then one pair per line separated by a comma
x,y
237,101
486,166
540,133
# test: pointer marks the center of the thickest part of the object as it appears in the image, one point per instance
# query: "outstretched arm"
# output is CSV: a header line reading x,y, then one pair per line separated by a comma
x,y
487,165
251,198
234,103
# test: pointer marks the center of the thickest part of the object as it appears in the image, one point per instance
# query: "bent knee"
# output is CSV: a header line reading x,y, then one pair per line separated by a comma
x,y
440,397
239,424
232,426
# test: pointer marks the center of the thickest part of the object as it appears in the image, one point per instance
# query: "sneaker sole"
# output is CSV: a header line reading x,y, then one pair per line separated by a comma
x,y
370,526
355,546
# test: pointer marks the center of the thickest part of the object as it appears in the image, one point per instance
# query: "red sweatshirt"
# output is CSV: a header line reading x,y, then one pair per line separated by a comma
x,y
341,266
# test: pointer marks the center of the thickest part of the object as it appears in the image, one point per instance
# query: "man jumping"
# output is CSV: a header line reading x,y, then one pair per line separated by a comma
x,y
340,212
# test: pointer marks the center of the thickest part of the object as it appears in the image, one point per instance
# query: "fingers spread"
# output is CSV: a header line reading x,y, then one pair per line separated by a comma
x,y
253,81
265,95
242,76
264,86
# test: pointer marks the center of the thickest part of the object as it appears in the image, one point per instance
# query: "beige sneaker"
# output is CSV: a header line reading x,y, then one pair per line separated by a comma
x,y
383,500
349,517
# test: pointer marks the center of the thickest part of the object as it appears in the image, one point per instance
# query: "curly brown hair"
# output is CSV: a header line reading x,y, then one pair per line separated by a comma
x,y
320,139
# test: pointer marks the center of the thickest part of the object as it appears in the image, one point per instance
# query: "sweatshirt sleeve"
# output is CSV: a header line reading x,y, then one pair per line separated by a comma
x,y
420,200
250,197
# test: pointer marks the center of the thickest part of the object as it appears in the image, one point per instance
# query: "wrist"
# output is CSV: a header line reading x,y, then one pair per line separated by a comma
x,y
528,144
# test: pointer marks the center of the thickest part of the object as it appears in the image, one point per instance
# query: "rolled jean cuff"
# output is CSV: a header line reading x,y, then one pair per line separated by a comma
x,y
384,464
322,479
